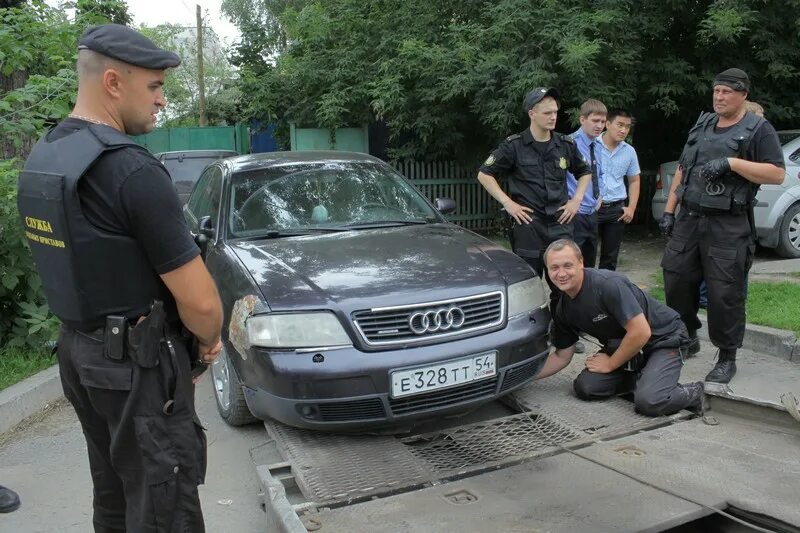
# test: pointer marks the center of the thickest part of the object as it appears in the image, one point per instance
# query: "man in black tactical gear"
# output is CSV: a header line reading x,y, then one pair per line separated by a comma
x,y
123,274
728,155
642,338
536,162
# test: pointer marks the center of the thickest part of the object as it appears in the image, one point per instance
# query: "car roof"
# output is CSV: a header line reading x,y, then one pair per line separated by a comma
x,y
194,153
255,161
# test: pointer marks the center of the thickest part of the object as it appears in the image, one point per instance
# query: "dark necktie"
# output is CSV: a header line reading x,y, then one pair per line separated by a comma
x,y
593,163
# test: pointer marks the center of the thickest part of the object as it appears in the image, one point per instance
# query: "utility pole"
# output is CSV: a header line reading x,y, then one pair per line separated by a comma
x,y
201,84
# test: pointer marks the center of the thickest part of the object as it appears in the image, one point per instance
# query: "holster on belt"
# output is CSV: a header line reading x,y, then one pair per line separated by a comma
x,y
144,339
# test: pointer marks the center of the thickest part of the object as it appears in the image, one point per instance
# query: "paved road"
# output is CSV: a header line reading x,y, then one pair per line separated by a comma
x,y
46,463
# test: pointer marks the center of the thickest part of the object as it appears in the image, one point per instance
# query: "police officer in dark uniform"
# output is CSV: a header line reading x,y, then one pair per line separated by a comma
x,y
123,274
728,155
536,162
642,338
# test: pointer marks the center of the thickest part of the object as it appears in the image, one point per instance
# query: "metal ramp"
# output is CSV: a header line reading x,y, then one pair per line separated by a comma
x,y
333,470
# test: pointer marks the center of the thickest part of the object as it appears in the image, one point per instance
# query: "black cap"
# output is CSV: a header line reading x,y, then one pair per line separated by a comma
x,y
536,95
127,45
735,78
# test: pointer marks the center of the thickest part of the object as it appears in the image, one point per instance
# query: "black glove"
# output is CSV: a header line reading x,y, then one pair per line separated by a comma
x,y
715,169
666,224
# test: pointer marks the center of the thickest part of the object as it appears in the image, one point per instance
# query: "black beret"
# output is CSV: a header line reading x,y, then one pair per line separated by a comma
x,y
127,45
735,78
536,95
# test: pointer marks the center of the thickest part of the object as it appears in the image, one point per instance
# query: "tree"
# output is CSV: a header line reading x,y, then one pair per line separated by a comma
x,y
448,77
94,12
181,85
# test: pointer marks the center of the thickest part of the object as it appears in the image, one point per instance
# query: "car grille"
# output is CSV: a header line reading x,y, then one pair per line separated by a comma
x,y
518,375
431,400
392,325
352,410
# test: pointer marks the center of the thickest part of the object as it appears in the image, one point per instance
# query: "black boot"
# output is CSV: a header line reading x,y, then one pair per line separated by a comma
x,y
693,347
725,368
699,402
9,501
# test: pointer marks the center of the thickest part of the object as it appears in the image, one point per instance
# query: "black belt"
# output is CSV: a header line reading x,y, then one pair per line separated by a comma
x,y
694,210
612,204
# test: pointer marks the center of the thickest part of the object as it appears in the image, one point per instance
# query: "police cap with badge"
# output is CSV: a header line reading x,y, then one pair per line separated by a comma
x,y
127,45
536,96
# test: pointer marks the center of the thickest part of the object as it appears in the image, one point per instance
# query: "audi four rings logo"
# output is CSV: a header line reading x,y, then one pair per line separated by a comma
x,y
436,320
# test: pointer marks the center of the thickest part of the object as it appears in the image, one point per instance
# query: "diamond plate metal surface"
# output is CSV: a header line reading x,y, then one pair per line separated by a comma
x,y
476,445
331,467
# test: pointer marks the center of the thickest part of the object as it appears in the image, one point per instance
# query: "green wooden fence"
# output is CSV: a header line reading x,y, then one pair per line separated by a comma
x,y
196,138
475,208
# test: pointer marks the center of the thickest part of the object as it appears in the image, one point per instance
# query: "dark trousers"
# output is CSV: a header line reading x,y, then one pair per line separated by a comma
x,y
585,230
720,249
530,242
610,231
655,387
145,463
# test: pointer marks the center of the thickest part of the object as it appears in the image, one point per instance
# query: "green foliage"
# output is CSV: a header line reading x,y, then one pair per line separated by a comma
x,y
448,77
17,363
94,12
181,87
24,317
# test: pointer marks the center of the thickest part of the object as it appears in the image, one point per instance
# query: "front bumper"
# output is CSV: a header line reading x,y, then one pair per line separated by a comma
x,y
347,389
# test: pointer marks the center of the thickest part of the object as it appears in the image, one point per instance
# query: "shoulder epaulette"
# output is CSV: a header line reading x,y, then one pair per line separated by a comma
x,y
566,138
513,137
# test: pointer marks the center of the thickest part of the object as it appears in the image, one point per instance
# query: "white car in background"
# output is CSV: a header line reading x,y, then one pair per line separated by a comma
x,y
777,209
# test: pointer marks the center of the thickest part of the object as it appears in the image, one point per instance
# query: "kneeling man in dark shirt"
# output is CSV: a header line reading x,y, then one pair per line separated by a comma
x,y
641,337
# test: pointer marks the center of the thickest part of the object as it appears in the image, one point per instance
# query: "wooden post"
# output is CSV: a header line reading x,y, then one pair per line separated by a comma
x,y
201,84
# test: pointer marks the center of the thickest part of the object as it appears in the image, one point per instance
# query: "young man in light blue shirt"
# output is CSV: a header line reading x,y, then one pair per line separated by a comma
x,y
618,160
584,225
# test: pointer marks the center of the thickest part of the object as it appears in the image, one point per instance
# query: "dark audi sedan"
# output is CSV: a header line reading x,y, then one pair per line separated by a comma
x,y
350,302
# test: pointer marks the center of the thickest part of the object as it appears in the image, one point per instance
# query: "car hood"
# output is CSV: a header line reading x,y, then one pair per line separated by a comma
x,y
378,267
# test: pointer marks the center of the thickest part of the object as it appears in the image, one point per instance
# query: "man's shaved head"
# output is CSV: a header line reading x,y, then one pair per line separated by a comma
x,y
91,65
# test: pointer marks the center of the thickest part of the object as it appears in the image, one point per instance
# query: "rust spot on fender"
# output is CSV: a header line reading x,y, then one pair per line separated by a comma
x,y
237,328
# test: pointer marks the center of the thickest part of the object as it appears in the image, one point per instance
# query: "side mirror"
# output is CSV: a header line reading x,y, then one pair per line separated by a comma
x,y
445,205
205,232
206,227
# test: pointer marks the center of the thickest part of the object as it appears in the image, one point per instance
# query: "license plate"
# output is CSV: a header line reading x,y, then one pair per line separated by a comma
x,y
443,375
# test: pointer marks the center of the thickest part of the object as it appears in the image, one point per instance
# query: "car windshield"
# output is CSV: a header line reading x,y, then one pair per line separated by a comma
x,y
322,196
787,136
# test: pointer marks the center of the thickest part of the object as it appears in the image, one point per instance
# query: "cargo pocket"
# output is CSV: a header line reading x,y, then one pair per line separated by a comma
x,y
161,468
675,259
106,378
722,265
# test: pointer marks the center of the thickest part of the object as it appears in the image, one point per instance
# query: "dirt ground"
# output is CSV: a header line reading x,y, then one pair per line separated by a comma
x,y
643,247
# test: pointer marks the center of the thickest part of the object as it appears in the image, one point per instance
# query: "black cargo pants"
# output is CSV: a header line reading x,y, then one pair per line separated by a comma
x,y
146,456
720,249
656,391
530,242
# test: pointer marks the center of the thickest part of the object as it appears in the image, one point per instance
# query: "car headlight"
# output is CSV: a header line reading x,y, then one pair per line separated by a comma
x,y
296,330
525,296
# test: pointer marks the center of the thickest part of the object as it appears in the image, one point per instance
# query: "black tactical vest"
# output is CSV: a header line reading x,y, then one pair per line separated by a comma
x,y
87,273
733,193
538,180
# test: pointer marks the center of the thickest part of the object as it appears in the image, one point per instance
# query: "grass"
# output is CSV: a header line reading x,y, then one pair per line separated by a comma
x,y
17,364
772,304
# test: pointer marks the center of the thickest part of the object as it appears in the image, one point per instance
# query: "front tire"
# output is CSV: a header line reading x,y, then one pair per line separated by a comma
x,y
228,392
789,238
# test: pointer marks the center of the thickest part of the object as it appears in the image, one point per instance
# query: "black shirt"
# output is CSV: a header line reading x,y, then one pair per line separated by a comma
x,y
128,192
606,302
764,147
537,170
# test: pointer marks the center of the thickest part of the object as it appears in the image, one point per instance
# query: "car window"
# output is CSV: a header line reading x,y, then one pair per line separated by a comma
x,y
296,197
787,136
206,197
795,157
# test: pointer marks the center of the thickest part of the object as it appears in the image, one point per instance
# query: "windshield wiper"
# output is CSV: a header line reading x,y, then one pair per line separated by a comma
x,y
388,223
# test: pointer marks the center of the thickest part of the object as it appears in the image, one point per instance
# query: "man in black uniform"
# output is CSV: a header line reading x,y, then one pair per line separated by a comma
x,y
122,272
728,155
536,162
642,338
